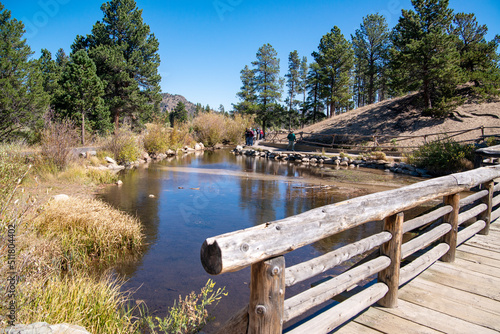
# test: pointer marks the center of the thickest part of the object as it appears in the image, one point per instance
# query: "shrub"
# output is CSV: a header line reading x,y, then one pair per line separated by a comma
x,y
235,128
156,139
56,143
444,157
209,128
190,314
378,155
124,146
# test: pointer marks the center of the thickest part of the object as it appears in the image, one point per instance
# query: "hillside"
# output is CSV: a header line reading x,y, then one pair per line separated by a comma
x,y
169,101
398,117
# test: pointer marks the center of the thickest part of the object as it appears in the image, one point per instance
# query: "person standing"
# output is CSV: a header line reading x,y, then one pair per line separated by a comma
x,y
291,141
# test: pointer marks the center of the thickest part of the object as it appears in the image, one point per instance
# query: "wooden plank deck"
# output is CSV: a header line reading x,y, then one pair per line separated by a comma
x,y
460,297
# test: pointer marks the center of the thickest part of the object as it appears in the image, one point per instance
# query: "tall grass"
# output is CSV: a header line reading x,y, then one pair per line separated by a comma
x,y
214,128
98,304
88,230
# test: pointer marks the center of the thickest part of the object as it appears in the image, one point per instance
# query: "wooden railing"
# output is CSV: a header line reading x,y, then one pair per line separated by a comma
x,y
436,234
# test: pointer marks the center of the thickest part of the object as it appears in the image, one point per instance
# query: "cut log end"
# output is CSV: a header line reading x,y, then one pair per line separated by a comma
x,y
211,259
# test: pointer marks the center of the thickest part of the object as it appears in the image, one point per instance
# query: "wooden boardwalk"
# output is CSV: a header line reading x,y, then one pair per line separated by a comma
x,y
460,297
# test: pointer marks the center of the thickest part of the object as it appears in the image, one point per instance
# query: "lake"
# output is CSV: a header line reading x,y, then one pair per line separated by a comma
x,y
183,200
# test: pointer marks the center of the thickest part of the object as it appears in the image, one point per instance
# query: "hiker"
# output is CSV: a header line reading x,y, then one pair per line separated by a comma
x,y
291,141
248,137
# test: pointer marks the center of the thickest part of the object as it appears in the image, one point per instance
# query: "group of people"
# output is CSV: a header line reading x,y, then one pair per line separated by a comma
x,y
251,135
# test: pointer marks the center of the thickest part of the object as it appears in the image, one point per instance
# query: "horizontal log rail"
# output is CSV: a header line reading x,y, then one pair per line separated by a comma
x,y
429,237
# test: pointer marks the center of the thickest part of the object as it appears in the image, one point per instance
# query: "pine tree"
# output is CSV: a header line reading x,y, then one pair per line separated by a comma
x,y
80,95
268,84
247,93
61,58
478,58
179,114
304,67
293,84
370,42
50,72
127,59
315,105
335,57
23,100
424,56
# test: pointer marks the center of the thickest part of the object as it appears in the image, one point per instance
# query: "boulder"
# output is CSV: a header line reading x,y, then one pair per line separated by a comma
x,y
119,182
110,160
198,147
45,328
60,197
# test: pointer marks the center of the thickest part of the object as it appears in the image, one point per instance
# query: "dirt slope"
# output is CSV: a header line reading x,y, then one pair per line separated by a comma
x,y
398,117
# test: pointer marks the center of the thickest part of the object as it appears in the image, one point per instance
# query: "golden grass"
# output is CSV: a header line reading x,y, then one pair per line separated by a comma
x,y
94,303
88,229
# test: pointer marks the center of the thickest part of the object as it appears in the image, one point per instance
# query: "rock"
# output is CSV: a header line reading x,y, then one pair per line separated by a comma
x,y
152,196
305,159
146,157
91,154
119,182
116,167
344,164
313,160
110,160
239,148
170,152
198,147
45,328
60,197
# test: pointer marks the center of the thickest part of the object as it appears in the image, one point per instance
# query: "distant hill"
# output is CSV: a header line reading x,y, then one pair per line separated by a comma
x,y
169,101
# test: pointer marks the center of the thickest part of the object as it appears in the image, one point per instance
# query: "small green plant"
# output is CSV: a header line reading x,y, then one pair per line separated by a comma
x,y
491,141
378,155
443,157
190,314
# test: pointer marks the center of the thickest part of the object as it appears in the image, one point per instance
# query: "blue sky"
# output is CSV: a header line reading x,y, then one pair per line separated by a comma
x,y
204,44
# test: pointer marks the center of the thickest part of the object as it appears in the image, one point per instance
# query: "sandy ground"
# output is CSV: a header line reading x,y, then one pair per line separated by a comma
x,y
397,117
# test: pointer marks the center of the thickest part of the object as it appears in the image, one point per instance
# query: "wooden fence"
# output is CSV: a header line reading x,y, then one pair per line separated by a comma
x,y
436,234
380,141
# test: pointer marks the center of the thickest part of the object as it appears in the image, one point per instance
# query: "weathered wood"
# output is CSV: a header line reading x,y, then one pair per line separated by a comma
x,y
472,198
495,201
471,213
355,328
480,240
496,187
478,259
424,240
421,263
495,214
334,317
321,293
436,320
487,200
237,324
236,250
267,296
426,219
479,251
453,219
320,264
392,249
387,323
470,231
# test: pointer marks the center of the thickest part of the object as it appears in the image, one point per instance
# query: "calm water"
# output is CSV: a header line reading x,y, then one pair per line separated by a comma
x,y
204,195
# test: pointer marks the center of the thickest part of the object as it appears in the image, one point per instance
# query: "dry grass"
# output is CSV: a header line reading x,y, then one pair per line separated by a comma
x,y
94,303
88,229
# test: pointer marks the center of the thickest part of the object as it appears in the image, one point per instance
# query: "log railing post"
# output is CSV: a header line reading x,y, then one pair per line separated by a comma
x,y
486,215
392,249
451,218
267,296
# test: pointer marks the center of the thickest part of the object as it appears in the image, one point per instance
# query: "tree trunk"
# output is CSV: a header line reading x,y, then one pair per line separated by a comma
x,y
117,119
83,128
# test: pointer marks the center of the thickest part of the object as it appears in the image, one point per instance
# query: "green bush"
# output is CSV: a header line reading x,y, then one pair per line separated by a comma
x,y
124,146
156,139
444,157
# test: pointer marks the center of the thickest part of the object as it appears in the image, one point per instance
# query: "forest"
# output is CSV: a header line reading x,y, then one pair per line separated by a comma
x,y
110,77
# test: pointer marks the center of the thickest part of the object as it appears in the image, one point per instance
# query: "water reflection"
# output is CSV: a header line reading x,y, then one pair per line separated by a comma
x,y
200,196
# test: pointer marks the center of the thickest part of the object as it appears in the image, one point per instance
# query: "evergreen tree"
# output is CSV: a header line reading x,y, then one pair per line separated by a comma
x,y
80,96
247,94
50,72
127,59
268,84
315,105
335,57
293,84
23,100
478,58
179,114
370,42
304,67
61,58
424,56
